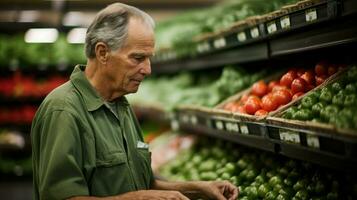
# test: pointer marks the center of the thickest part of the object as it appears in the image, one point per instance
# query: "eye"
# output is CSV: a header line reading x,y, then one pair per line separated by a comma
x,y
139,58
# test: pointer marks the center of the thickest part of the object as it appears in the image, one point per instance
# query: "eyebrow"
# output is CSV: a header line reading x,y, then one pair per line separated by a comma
x,y
142,54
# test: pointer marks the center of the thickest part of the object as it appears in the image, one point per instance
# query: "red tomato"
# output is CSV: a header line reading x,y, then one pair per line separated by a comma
x,y
244,98
241,109
320,79
288,78
259,88
332,69
279,87
309,77
235,108
282,97
298,85
261,112
252,105
297,95
321,68
300,72
229,106
268,103
272,84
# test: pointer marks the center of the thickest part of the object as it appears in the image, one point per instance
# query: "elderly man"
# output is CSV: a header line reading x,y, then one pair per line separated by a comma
x,y
86,141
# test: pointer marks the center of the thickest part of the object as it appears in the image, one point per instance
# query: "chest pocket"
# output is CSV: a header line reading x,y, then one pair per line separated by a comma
x,y
144,165
111,175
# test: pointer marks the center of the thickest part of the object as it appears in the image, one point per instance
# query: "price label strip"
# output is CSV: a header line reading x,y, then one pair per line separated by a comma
x,y
219,43
254,32
228,126
285,22
289,136
244,129
241,37
219,125
272,27
203,47
232,127
175,125
313,141
185,118
311,15
194,120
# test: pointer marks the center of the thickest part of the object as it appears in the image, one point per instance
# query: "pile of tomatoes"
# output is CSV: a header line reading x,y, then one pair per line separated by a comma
x,y
266,97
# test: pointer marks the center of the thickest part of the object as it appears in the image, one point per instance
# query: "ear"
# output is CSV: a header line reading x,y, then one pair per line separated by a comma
x,y
102,52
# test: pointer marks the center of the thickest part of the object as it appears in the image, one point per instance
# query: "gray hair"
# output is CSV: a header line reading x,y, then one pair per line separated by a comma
x,y
111,27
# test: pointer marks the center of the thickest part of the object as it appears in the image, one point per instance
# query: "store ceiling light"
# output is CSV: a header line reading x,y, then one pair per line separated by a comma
x,y
41,35
77,36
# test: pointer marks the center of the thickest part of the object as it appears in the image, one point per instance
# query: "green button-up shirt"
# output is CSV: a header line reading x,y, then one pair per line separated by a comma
x,y
81,148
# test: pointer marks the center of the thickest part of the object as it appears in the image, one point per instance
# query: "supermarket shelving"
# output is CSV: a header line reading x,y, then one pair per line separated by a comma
x,y
319,26
328,26
333,151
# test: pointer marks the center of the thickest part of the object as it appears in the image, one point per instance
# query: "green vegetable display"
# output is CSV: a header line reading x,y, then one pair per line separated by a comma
x,y
14,51
334,104
259,175
18,167
200,89
179,32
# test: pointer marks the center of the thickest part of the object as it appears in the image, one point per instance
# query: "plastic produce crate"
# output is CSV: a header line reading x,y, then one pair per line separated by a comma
x,y
327,142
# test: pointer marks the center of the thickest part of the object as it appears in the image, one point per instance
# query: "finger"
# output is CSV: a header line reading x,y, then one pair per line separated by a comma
x,y
219,196
182,197
231,191
234,196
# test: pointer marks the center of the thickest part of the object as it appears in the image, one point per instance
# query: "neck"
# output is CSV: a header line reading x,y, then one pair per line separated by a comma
x,y
96,77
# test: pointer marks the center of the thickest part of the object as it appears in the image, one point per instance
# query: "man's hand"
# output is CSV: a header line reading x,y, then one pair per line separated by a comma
x,y
220,190
160,195
140,195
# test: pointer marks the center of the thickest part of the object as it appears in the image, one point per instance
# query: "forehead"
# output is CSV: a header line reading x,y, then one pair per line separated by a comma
x,y
140,34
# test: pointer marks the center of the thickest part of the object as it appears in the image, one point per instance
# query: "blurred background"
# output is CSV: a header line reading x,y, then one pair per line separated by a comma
x,y
260,93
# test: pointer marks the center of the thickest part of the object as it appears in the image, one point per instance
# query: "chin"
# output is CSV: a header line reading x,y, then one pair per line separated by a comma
x,y
133,90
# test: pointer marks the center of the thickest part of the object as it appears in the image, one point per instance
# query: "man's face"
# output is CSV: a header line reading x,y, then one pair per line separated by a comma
x,y
129,65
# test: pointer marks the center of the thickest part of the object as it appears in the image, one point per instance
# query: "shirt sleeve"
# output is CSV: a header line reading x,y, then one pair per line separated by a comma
x,y
60,157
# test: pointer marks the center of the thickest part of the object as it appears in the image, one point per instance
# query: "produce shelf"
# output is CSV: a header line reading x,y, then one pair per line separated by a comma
x,y
152,112
37,69
313,25
232,56
224,126
324,35
330,160
307,141
13,101
348,7
7,148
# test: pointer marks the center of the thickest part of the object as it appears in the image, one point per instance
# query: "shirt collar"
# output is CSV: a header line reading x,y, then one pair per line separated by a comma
x,y
91,98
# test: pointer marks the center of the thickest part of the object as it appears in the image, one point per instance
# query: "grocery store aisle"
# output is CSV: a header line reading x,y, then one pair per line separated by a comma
x,y
16,190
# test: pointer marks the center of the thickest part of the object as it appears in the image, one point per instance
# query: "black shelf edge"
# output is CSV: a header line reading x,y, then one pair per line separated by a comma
x,y
20,27
52,69
324,35
349,7
22,127
9,101
337,152
251,141
317,157
249,53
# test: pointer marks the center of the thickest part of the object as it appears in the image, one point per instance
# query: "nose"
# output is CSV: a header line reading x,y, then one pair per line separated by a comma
x,y
146,69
